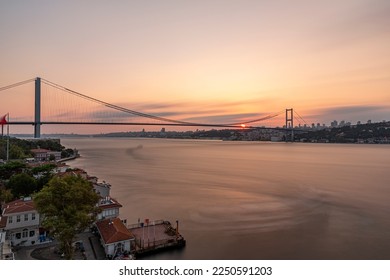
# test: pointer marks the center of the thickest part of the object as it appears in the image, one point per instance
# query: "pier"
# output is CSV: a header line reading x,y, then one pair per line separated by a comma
x,y
154,236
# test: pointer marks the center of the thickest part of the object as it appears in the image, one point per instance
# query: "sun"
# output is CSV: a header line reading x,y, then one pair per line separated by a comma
x,y
243,125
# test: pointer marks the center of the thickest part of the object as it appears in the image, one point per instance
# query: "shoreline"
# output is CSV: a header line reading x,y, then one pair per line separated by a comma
x,y
68,158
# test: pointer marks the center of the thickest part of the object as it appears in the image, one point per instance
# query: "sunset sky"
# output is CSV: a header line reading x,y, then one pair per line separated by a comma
x,y
205,61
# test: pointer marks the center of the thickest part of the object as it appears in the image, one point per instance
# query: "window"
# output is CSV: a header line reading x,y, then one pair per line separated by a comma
x,y
26,217
32,233
33,216
18,218
10,219
25,233
18,235
109,212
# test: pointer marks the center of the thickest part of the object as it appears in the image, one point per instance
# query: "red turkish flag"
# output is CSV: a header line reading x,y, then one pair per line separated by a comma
x,y
3,120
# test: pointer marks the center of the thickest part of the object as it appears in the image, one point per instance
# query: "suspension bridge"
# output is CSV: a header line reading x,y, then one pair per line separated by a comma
x,y
54,104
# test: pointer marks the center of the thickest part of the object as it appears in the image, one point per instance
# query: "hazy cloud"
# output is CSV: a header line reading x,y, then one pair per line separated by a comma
x,y
219,113
352,113
354,109
108,114
222,119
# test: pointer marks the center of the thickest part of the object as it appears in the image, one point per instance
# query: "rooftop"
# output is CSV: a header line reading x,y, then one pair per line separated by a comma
x,y
113,230
109,202
19,206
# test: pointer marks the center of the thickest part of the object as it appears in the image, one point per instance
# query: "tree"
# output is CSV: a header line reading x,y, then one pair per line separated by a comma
x,y
5,195
22,185
11,168
43,174
44,168
68,206
16,152
67,153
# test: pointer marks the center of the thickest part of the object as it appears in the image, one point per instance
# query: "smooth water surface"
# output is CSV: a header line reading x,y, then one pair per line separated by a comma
x,y
251,200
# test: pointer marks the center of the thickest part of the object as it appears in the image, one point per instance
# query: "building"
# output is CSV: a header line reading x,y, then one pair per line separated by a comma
x,y
109,208
116,239
102,189
45,155
20,220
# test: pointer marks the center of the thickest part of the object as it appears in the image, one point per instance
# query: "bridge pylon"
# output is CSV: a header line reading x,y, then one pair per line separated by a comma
x,y
37,116
290,123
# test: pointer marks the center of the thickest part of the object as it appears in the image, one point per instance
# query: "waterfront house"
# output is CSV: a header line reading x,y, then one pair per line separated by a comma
x,y
61,167
115,237
44,155
102,189
20,221
109,208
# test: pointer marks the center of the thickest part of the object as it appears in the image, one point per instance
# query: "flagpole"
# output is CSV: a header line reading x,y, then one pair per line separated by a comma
x,y
8,138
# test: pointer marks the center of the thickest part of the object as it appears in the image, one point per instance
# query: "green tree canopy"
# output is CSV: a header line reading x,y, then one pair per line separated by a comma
x,y
11,168
5,195
43,173
16,152
21,148
44,168
22,185
68,206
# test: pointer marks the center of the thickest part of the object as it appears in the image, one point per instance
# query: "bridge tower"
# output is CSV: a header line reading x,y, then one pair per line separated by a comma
x,y
37,116
290,123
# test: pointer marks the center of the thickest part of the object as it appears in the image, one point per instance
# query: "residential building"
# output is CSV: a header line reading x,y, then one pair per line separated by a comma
x,y
109,208
116,239
102,189
44,155
20,220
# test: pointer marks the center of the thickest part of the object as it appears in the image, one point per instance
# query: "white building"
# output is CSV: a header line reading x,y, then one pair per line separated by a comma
x,y
20,220
44,155
102,189
115,237
109,208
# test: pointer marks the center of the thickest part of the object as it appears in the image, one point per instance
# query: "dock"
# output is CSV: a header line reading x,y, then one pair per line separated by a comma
x,y
154,236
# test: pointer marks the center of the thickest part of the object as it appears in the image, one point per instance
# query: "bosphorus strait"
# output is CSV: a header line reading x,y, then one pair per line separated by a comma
x,y
251,200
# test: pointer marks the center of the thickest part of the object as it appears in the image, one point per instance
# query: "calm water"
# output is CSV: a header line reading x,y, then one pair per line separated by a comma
x,y
251,200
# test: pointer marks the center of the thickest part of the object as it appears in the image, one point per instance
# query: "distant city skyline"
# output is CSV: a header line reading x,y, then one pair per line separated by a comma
x,y
209,61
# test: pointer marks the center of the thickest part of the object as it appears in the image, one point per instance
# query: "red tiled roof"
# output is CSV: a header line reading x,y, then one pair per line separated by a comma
x,y
18,206
3,221
113,230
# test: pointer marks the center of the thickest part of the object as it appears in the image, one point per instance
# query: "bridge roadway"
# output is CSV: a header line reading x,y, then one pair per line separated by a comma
x,y
149,124
167,122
